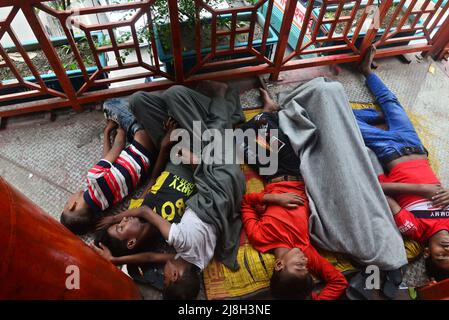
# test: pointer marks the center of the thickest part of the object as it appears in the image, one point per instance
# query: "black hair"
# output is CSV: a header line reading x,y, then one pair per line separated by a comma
x,y
434,271
78,221
185,288
284,285
117,247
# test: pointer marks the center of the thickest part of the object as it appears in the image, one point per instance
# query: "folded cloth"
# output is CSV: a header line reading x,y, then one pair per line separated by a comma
x,y
349,212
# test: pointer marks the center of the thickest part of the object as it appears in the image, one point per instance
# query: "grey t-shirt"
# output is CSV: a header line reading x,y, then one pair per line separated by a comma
x,y
193,239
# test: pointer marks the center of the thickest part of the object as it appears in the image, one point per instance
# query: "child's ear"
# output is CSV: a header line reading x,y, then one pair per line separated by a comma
x,y
71,205
131,243
426,252
175,275
278,265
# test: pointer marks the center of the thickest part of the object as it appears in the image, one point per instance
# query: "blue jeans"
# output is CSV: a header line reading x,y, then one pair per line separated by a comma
x,y
401,138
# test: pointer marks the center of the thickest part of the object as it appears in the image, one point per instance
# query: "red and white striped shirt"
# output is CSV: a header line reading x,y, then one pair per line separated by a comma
x,y
108,183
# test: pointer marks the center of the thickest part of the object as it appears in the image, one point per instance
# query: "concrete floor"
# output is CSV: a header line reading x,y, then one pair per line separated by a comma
x,y
48,160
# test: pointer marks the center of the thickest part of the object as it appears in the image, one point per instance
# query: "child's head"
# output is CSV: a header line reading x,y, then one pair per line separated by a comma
x,y
125,237
291,279
77,216
181,280
437,256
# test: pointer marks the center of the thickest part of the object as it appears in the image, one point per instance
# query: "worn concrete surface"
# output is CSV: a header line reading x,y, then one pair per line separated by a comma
x,y
48,160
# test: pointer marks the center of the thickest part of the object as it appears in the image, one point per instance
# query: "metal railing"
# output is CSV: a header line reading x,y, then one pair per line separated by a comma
x,y
337,31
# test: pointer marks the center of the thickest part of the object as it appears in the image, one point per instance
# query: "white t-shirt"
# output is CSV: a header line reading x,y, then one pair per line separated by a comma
x,y
193,239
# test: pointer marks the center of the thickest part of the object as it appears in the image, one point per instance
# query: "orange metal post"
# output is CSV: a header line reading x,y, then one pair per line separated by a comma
x,y
176,39
283,37
371,34
51,54
38,255
441,40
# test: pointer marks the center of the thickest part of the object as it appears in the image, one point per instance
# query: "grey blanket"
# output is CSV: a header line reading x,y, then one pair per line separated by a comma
x,y
220,187
349,213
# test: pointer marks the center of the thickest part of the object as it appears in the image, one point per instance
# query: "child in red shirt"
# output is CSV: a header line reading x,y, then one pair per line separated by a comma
x,y
418,213
420,204
282,227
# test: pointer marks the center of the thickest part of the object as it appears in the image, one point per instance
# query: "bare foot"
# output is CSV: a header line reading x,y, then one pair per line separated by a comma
x,y
212,88
365,65
268,104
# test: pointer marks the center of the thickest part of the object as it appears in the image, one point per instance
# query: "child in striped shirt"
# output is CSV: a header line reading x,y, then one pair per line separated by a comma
x,y
118,172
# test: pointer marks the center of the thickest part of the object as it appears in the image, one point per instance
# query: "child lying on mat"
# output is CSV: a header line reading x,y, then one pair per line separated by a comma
x,y
282,227
419,203
125,237
193,239
117,174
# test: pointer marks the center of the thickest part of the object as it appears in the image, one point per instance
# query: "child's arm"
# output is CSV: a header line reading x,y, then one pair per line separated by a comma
x,y
106,222
441,199
164,151
143,212
406,222
249,214
336,282
287,200
160,163
250,218
253,222
142,258
106,143
435,192
425,190
111,125
138,258
394,206
117,147
156,220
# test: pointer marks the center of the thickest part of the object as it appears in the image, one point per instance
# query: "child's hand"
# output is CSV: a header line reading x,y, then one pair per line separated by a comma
x,y
286,200
103,251
110,125
430,282
105,222
111,220
436,193
441,199
430,190
394,206
169,126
